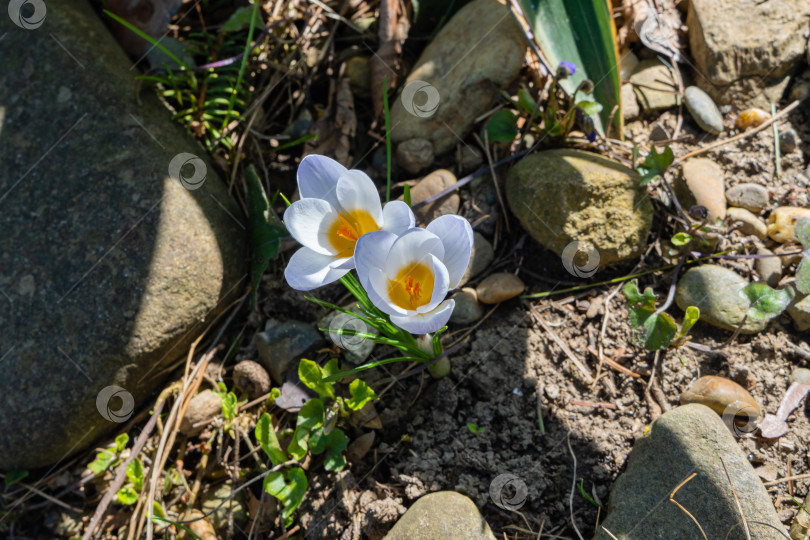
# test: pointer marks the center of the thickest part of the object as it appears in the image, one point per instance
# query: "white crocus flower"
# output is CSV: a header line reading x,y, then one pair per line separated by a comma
x,y
408,276
337,207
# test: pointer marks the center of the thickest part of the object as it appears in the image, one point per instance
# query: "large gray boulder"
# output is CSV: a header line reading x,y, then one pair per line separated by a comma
x,y
689,439
109,267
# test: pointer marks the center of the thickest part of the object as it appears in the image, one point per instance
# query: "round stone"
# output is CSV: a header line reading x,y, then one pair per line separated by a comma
x,y
747,223
715,290
801,376
499,288
468,309
752,197
415,155
562,197
703,183
703,110
788,141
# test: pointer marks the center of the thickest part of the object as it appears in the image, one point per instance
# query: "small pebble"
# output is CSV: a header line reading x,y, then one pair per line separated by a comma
x,y
470,158
630,108
250,377
430,185
783,219
800,375
788,141
703,110
800,313
468,309
746,222
659,133
788,260
204,406
704,180
27,285
201,526
751,118
629,61
223,505
752,197
769,268
415,155
499,287
722,395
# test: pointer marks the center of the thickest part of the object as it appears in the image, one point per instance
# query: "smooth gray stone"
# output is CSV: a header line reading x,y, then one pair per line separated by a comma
x,y
688,439
109,267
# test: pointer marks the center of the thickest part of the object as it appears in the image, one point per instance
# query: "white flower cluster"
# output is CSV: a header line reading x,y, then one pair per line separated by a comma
x,y
405,270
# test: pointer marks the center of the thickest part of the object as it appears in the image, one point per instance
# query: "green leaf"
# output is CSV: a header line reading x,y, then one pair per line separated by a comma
x,y
502,127
103,460
310,417
335,443
526,102
157,510
766,303
313,375
121,442
266,437
127,496
681,239
12,477
581,32
660,330
640,307
590,108
361,394
689,319
228,404
655,164
288,487
135,474
241,19
264,236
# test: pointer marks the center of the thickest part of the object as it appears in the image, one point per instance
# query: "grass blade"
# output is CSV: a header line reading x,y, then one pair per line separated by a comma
x,y
582,32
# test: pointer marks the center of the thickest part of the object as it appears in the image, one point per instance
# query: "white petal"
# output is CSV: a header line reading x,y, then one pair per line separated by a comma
x,y
413,247
356,191
397,217
371,251
378,293
424,323
456,235
308,221
440,285
308,270
318,176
